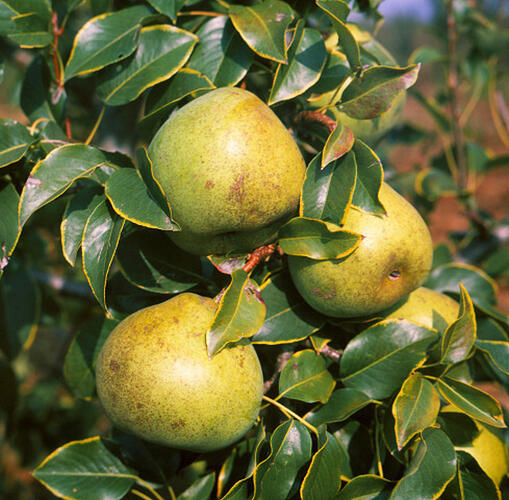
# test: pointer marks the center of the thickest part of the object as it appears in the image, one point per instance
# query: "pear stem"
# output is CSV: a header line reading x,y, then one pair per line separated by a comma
x,y
259,254
315,116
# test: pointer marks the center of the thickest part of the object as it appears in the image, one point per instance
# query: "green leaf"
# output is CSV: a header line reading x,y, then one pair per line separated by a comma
x,y
306,58
416,407
240,314
52,176
475,403
305,378
370,95
288,317
432,467
105,39
31,31
83,470
149,260
433,183
263,27
327,192
14,142
317,239
369,179
434,109
76,214
497,352
20,308
139,207
290,449
169,8
9,229
366,487
459,338
222,56
342,404
100,239
379,359
338,144
200,489
323,478
79,363
162,51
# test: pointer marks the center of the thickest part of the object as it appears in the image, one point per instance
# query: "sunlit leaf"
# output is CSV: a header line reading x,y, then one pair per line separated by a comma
x,y
338,144
169,8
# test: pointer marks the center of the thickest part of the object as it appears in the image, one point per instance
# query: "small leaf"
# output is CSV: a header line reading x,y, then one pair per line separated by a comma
x,y
366,487
100,239
263,27
9,229
85,469
371,94
316,239
433,183
14,142
497,352
240,314
416,407
305,378
200,489
338,144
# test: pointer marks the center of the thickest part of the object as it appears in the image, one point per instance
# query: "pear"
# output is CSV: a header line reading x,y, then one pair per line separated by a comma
x,y
231,171
155,380
393,259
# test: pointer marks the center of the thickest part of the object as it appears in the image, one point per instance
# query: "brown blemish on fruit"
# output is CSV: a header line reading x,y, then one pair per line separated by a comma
x,y
323,295
237,190
209,184
114,365
139,405
177,424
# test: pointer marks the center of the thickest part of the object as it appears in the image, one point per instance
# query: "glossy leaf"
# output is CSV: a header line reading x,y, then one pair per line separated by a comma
x,y
222,56
9,229
338,144
497,352
342,404
105,39
371,94
14,142
100,239
306,58
432,467
379,359
472,401
162,51
316,239
200,489
367,487
263,27
327,193
288,317
79,363
85,469
290,449
459,338
76,214
169,8
305,378
31,31
240,314
416,407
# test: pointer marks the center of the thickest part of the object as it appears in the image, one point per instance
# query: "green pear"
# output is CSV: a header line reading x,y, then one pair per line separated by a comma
x,y
230,170
155,379
393,259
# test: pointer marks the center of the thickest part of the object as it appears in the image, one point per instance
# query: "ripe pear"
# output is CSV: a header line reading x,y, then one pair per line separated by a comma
x,y
231,171
393,259
155,379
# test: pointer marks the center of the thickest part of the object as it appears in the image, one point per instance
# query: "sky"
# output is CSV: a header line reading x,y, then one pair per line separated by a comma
x,y
423,9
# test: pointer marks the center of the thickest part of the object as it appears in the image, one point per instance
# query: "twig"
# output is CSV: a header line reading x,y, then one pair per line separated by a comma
x,y
315,116
282,359
331,353
63,285
259,254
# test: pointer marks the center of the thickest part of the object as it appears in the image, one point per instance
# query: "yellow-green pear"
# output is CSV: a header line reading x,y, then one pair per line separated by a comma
x,y
393,259
155,379
230,170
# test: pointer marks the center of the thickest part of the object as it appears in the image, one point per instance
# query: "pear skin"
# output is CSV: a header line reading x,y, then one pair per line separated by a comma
x,y
155,380
393,259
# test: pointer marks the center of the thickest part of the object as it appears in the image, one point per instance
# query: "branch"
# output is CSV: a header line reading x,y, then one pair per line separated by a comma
x,y
315,116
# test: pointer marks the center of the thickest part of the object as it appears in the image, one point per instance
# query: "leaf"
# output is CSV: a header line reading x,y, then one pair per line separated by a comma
x,y
305,378
306,58
85,469
497,352
433,183
370,95
366,487
323,478
222,56
200,489
380,358
240,314
9,229
459,338
263,27
432,467
76,214
475,403
290,449
139,207
79,363
327,193
342,404
149,260
288,317
416,407
52,176
316,239
162,51
100,239
105,39
14,142
169,8
338,144
30,31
